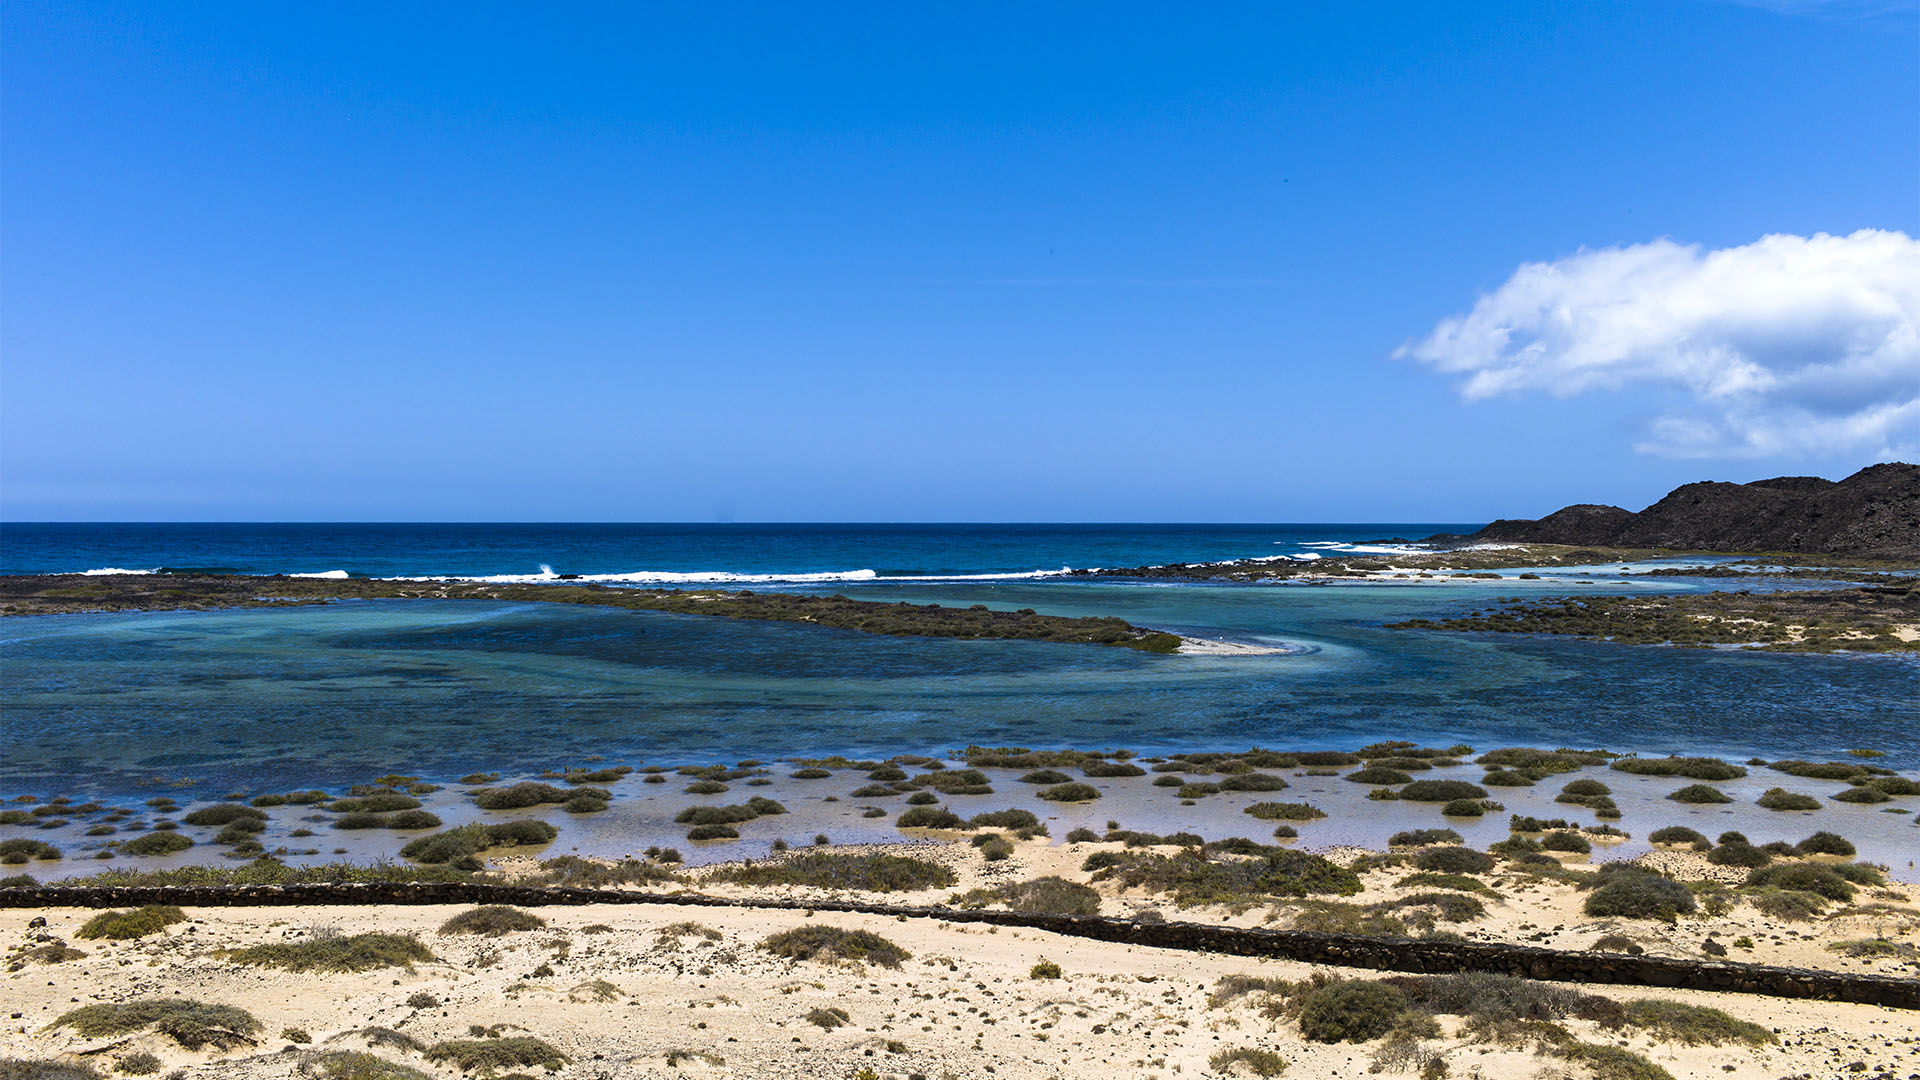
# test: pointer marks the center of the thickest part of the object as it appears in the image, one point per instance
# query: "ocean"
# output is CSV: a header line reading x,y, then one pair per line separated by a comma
x,y
666,553
109,704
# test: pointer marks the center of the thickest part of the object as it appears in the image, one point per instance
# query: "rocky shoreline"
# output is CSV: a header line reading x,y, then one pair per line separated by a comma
x,y
58,594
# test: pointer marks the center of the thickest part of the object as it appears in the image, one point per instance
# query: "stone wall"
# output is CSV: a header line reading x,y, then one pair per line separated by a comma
x,y
1342,950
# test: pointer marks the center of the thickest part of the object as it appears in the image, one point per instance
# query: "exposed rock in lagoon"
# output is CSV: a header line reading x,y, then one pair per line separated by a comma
x,y
52,594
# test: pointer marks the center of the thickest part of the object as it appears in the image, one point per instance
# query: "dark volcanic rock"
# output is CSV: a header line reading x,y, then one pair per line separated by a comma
x,y
1876,511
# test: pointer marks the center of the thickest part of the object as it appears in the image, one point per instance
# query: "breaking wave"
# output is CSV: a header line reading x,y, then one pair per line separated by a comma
x,y
1369,549
547,575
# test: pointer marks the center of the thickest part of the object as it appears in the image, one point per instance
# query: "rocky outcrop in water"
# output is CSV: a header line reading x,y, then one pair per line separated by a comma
x,y
1874,512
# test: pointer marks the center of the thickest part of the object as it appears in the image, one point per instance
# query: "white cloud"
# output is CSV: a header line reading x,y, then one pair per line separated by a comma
x,y
1788,345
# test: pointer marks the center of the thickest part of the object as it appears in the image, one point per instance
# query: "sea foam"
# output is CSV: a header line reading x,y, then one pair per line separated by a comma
x,y
728,577
656,577
107,571
1370,549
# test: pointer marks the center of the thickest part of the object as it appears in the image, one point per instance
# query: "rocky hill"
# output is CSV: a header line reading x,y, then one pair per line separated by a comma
x,y
1874,512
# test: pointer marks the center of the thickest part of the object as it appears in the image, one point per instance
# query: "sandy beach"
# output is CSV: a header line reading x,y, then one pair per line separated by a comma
x,y
619,990
667,991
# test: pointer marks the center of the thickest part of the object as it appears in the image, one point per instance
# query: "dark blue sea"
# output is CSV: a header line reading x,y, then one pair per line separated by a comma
x,y
664,553
272,699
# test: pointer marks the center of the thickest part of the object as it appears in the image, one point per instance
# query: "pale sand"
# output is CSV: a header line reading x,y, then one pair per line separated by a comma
x,y
1210,647
963,1006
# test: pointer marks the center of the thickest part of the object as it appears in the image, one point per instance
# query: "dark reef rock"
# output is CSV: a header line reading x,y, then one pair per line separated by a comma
x,y
1874,512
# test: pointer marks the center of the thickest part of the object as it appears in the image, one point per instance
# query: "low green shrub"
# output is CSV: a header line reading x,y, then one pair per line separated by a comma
x,y
1441,791
1488,996
955,782
531,793
1633,893
1284,811
1051,895
1738,855
1376,774
357,952
1011,818
832,943
1564,840
1699,794
1604,1061
1354,1010
1693,768
45,1069
1450,906
1453,860
492,920
1695,1025
1679,835
1046,776
357,1065
1419,837
379,803
468,841
490,1056
290,798
1254,781
1069,793
193,1024
1820,880
930,817
1464,808
1782,799
1542,762
1892,785
1430,879
155,843
1825,843
572,871
1790,904
138,923
1506,778
1861,795
840,870
226,814
1195,877
1820,770
1257,1061
730,814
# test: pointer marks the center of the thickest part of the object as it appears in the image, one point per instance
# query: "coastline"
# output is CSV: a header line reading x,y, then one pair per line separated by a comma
x,y
71,594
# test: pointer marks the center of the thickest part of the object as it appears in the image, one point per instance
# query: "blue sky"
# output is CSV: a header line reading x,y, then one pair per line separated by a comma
x,y
904,262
